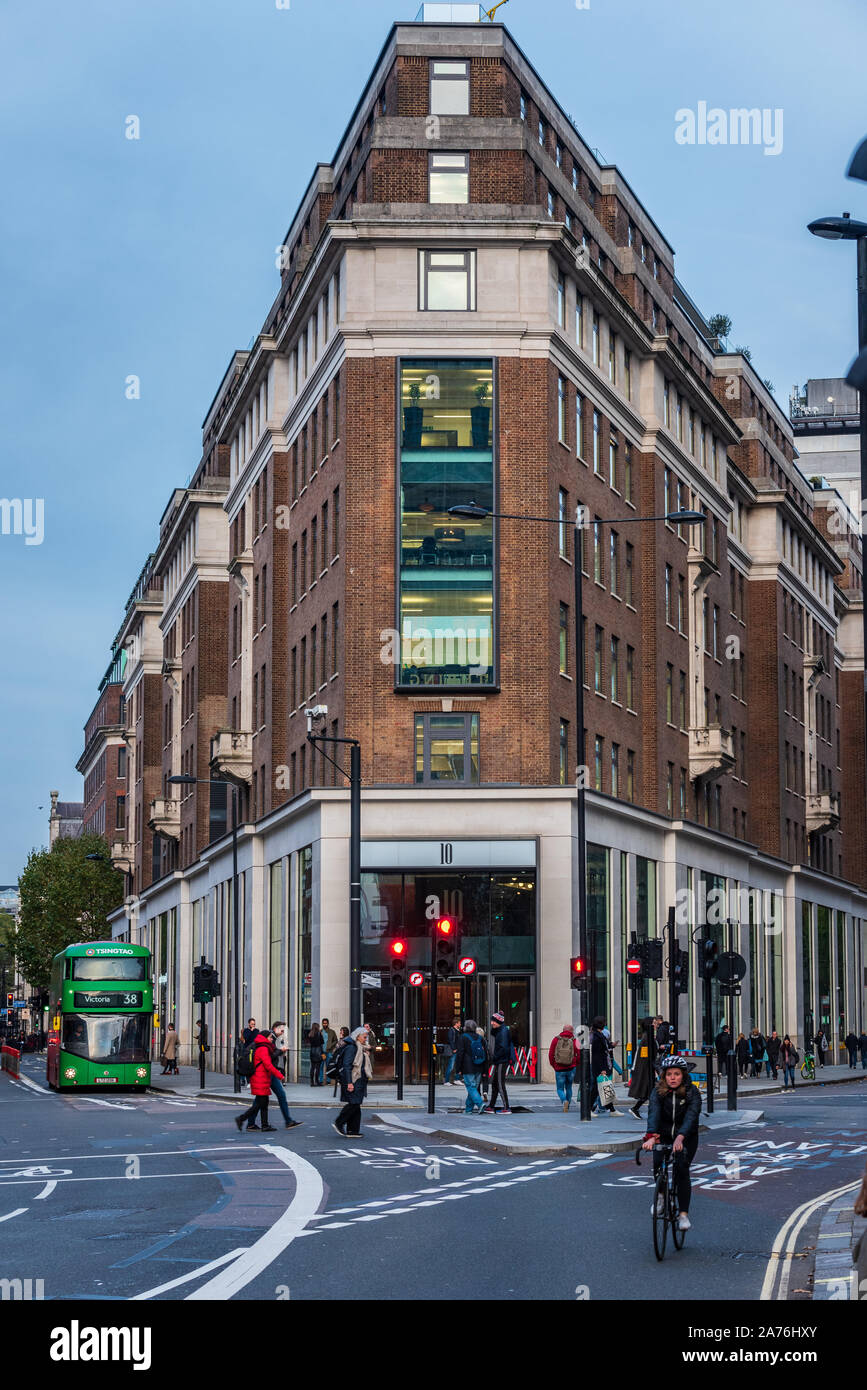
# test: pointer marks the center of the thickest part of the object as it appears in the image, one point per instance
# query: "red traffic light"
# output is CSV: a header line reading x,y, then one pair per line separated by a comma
x,y
580,972
445,926
398,948
579,966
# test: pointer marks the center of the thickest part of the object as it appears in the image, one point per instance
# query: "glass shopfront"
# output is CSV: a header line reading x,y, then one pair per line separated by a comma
x,y
495,912
446,564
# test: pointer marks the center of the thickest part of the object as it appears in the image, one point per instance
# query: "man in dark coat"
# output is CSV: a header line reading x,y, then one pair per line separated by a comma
x,y
643,1073
773,1045
862,1048
501,1058
852,1048
723,1041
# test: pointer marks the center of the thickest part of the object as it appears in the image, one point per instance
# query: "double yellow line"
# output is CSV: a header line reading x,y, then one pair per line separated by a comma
x,y
776,1282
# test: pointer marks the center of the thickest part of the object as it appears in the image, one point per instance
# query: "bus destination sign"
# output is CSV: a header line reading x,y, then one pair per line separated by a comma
x,y
107,999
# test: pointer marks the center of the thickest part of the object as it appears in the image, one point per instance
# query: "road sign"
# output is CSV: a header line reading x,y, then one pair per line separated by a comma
x,y
466,965
633,967
416,977
732,968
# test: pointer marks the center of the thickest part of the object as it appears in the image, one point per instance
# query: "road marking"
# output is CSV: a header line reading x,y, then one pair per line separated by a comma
x,y
19,1211
46,1191
185,1278
309,1191
109,1104
426,1191
143,1177
433,1201
145,1153
780,1263
32,1086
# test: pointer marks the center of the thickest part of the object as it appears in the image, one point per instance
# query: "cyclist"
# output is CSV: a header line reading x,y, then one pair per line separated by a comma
x,y
672,1118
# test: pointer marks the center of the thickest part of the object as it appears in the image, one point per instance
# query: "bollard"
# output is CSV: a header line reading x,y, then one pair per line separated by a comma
x,y
709,1052
731,1081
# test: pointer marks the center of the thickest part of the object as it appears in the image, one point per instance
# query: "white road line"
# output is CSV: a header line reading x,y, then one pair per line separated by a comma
x,y
142,1177
185,1278
32,1086
46,1191
19,1211
109,1104
145,1153
309,1191
780,1263
425,1191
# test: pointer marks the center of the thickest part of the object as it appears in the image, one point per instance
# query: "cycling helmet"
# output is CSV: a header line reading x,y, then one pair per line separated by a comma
x,y
682,1063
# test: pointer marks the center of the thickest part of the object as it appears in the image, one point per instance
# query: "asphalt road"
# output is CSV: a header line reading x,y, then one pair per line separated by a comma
x,y
155,1198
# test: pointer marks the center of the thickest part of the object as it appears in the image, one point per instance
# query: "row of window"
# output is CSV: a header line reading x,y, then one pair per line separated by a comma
x,y
316,438
316,549
689,429
605,348
180,561
805,563
596,439
313,661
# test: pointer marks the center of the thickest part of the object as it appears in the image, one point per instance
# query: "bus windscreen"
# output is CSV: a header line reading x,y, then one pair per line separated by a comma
x,y
108,1039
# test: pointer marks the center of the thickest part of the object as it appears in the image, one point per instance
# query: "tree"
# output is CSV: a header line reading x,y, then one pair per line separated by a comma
x,y
744,352
65,898
720,325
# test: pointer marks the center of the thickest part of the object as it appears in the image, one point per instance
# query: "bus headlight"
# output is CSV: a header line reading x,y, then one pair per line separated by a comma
x,y
141,1071
70,1073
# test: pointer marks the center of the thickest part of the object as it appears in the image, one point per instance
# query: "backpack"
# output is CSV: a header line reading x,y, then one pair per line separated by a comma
x,y
478,1050
564,1052
247,1060
794,1056
332,1071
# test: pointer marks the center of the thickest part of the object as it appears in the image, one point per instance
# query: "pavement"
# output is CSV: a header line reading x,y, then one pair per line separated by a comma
x,y
835,1276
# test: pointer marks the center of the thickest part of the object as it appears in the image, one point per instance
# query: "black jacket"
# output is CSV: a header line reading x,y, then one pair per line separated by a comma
x,y
851,1041
359,1087
773,1045
501,1039
465,1065
723,1046
672,1115
600,1054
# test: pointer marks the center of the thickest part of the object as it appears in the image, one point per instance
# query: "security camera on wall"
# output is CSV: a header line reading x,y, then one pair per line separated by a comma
x,y
315,712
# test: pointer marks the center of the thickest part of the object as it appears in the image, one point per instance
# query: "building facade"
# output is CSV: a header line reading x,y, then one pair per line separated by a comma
x,y
473,309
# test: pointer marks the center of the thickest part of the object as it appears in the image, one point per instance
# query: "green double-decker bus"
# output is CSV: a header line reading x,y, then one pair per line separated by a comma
x,y
101,1016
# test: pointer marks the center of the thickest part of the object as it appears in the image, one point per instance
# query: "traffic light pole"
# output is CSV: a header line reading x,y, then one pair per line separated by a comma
x,y
236,938
633,1008
202,1041
399,1025
432,1020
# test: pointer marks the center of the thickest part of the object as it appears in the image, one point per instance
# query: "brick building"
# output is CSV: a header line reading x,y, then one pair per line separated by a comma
x,y
473,309
103,761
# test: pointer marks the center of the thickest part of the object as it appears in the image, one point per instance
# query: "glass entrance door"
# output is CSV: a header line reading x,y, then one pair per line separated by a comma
x,y
476,997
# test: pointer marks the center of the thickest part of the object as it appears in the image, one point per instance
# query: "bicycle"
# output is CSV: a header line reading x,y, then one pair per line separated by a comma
x,y
808,1067
666,1211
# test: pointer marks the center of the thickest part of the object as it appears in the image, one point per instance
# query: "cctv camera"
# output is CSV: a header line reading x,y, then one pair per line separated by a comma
x,y
316,711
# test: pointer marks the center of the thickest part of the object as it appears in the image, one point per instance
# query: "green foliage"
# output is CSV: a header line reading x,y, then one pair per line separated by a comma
x,y
720,325
65,898
744,352
7,945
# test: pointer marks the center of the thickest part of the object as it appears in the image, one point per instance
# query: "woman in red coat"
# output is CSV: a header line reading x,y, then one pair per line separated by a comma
x,y
260,1085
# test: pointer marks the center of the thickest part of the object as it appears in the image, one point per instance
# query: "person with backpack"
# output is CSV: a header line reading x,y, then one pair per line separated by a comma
x,y
356,1070
501,1060
471,1058
563,1054
790,1057
255,1064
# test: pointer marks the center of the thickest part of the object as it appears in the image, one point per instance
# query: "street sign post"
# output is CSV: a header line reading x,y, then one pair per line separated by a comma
x,y
466,965
416,978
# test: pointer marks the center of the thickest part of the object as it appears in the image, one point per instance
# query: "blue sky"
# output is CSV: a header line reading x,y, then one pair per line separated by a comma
x,y
156,257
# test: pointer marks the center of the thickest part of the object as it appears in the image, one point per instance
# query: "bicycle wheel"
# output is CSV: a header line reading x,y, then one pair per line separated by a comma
x,y
677,1236
660,1213
807,1071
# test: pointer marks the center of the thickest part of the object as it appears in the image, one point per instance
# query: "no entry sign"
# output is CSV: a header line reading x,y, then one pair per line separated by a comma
x,y
416,977
466,965
633,967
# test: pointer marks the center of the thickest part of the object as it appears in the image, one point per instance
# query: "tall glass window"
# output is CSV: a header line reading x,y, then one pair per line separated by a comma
x,y
807,973
275,916
446,563
823,964
840,976
598,897
305,955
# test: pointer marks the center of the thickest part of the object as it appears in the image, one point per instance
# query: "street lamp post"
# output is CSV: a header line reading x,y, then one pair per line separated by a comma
x,y
846,229
472,510
183,780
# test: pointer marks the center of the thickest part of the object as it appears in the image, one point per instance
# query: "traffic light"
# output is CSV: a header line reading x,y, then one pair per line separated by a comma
x,y
653,956
580,972
679,969
708,964
10,999
446,948
399,952
206,984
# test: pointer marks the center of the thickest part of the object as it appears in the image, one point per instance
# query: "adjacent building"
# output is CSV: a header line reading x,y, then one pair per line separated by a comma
x,y
473,309
65,819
